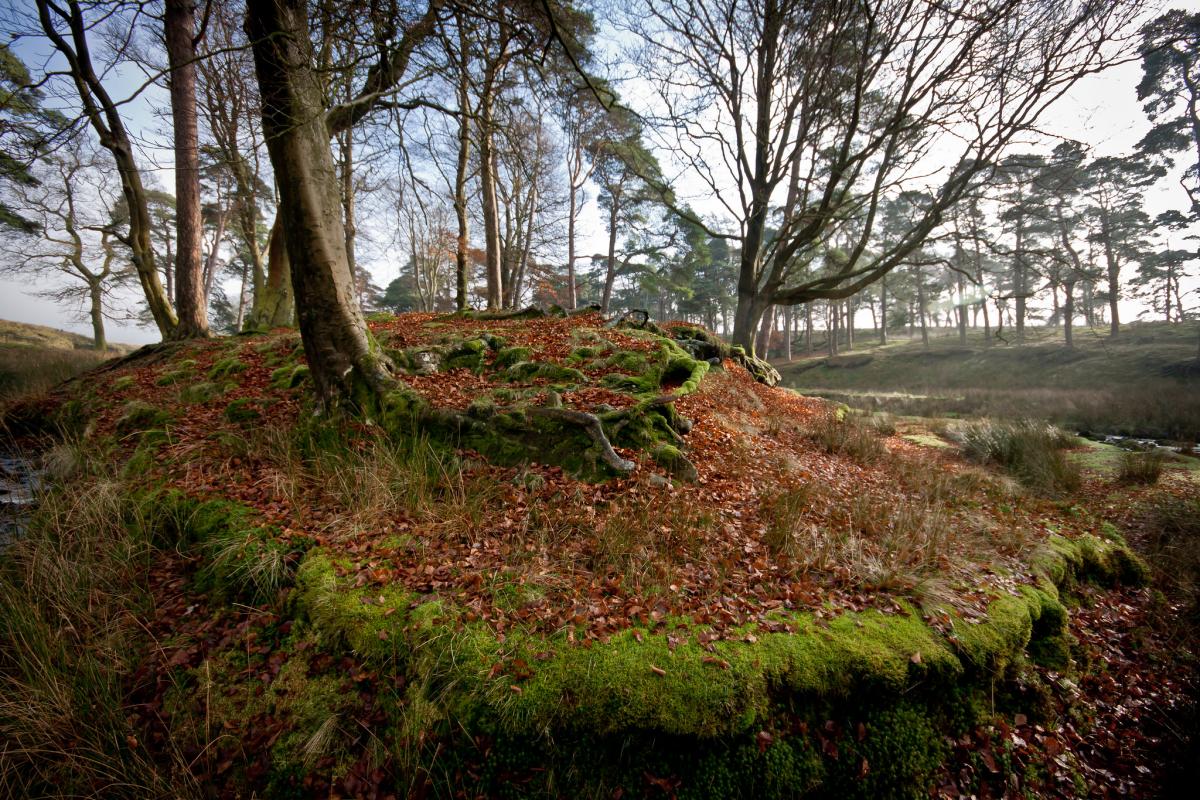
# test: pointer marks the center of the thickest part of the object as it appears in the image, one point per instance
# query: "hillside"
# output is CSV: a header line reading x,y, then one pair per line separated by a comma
x,y
566,559
36,358
1143,383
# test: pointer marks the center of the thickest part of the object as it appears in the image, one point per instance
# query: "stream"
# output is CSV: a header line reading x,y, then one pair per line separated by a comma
x,y
20,482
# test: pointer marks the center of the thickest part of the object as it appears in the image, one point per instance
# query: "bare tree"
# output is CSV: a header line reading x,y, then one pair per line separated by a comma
x,y
68,31
819,109
69,234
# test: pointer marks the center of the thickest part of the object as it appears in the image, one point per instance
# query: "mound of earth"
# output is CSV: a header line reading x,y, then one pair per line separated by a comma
x,y
568,559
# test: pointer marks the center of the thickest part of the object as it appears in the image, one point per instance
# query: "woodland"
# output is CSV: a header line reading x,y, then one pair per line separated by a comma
x,y
766,403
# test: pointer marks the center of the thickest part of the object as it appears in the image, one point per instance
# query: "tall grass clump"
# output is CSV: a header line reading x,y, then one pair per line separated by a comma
x,y
1141,467
1171,544
1029,450
847,434
69,592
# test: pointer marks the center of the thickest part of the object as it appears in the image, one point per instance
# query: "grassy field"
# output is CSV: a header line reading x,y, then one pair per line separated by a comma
x,y
1143,383
35,358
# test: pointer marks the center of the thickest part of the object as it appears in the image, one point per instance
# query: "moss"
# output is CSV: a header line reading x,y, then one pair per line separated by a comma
x,y
466,355
510,356
1104,561
201,392
123,382
225,368
138,416
380,316
289,376
244,409
672,459
525,371
174,376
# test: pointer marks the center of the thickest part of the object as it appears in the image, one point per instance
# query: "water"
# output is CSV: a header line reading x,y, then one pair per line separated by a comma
x,y
20,482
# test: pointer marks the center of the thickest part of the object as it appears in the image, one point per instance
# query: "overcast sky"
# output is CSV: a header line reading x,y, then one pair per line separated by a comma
x,y
1101,110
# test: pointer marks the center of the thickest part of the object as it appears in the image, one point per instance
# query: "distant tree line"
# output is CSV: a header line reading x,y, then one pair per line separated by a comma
x,y
852,157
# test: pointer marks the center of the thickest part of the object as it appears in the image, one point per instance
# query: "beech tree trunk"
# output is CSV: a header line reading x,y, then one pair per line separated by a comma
x,y
342,357
1068,312
179,25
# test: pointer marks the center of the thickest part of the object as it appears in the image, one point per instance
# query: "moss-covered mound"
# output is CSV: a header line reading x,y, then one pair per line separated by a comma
x,y
570,559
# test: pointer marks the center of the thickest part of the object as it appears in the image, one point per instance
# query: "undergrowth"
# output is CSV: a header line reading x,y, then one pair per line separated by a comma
x,y
1142,468
1029,450
69,589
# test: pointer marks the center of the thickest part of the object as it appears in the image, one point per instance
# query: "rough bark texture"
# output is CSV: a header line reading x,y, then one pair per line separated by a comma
x,y
342,357
179,26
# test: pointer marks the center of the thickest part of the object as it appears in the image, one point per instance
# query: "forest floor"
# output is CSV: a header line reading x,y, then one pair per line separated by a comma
x,y
778,598
1142,383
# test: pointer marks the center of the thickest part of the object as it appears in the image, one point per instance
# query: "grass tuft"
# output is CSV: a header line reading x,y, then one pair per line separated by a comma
x,y
1141,468
1028,450
848,435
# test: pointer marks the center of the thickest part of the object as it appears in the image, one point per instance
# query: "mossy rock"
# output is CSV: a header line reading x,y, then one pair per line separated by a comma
x,y
672,459
466,355
225,368
510,356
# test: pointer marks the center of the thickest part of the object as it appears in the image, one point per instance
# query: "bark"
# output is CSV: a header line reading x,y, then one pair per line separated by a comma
x,y
463,242
274,305
1068,312
210,263
346,147
96,311
342,357
883,311
491,212
610,270
179,26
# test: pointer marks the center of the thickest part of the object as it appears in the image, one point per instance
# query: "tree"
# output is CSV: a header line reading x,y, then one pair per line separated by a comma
x,y
1115,189
229,110
179,27
67,29
65,235
27,132
825,108
1170,89
344,360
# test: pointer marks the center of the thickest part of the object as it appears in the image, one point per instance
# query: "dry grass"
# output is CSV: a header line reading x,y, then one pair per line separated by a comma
x,y
31,371
1141,468
1171,543
68,590
1028,450
847,434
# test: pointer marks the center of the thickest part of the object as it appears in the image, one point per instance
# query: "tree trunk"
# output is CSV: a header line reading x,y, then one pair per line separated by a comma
x,y
610,271
1068,312
342,357
102,114
572,300
921,311
96,311
346,147
789,316
462,244
808,328
491,211
962,311
883,310
179,26
274,306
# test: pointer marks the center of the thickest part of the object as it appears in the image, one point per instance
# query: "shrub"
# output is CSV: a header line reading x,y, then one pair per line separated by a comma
x,y
1029,450
1141,467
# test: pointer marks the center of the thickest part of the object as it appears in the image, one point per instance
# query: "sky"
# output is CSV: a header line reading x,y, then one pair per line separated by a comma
x,y
1101,110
